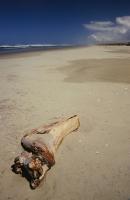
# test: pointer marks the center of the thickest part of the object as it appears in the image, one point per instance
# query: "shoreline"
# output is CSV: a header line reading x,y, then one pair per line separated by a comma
x,y
39,50
34,52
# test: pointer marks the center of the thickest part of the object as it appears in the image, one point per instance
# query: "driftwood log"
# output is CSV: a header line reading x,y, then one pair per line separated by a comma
x,y
40,147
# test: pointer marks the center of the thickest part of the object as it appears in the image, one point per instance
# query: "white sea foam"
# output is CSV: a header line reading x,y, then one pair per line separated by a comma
x,y
31,45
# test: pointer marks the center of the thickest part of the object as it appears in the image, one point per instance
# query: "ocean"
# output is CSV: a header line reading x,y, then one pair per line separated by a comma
x,y
8,49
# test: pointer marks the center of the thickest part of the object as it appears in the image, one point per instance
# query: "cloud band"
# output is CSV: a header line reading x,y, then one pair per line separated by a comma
x,y
108,31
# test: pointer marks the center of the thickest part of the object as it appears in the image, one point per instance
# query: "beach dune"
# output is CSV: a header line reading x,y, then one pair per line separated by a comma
x,y
93,82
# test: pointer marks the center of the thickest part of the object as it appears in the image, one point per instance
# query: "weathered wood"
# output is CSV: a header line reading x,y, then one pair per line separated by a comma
x,y
41,145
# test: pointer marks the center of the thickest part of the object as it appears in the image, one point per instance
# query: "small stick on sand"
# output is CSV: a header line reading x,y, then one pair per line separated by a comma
x,y
41,145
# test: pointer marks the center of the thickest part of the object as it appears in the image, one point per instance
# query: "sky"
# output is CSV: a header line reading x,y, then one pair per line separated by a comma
x,y
63,21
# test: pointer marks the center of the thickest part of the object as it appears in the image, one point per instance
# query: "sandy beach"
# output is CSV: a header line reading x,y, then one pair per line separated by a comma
x,y
93,82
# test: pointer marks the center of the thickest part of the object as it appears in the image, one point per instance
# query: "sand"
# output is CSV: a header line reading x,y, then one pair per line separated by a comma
x,y
93,82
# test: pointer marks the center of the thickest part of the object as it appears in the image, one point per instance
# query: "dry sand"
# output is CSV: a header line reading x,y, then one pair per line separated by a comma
x,y
93,82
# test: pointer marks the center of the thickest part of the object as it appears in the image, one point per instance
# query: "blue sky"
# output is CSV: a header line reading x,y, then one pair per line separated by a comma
x,y
64,22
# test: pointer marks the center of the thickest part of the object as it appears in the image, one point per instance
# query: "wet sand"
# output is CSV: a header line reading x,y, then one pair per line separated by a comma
x,y
93,82
98,70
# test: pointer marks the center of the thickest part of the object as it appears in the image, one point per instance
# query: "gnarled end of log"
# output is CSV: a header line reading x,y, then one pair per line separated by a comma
x,y
41,145
33,166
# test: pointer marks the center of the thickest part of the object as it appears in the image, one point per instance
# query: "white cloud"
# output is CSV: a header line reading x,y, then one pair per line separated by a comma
x,y
125,21
108,31
100,26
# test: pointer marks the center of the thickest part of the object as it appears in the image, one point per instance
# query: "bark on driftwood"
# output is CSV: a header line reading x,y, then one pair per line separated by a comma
x,y
41,145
